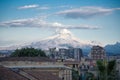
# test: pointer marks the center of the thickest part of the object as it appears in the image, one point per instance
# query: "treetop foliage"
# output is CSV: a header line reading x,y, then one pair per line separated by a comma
x,y
28,52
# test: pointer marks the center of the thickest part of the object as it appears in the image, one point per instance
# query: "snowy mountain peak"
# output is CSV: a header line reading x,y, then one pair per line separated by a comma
x,y
61,34
64,33
63,38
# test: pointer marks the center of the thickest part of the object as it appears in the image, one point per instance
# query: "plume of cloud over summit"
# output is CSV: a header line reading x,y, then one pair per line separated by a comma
x,y
86,12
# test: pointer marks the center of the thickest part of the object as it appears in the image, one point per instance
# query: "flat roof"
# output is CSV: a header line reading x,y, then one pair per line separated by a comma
x,y
40,66
40,59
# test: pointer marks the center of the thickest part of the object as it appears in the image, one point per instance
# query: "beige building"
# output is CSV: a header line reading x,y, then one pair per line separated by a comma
x,y
97,53
24,65
72,64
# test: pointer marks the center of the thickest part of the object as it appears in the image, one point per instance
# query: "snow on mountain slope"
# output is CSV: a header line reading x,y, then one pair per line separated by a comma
x,y
63,38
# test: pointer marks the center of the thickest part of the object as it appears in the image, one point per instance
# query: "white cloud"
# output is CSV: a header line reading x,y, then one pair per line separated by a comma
x,y
86,12
31,22
82,26
43,8
28,6
115,8
65,6
37,22
56,24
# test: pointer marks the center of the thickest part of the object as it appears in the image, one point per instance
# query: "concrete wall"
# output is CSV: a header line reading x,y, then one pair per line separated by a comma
x,y
28,63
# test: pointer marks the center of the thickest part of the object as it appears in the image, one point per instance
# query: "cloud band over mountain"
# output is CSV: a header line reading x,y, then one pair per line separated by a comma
x,y
86,12
35,22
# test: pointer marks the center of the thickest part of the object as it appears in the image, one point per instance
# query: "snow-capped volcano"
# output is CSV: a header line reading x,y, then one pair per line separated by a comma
x,y
63,38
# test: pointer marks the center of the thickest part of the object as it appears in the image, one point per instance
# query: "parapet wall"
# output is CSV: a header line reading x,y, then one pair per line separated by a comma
x,y
28,63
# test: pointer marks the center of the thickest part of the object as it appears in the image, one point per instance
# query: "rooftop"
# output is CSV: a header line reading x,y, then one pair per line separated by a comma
x,y
40,59
71,62
43,75
7,74
40,67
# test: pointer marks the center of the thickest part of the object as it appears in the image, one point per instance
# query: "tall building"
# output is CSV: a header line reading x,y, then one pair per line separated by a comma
x,y
75,53
58,53
64,53
97,53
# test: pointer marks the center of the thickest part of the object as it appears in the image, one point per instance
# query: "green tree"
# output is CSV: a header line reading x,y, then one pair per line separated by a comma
x,y
101,70
75,75
111,70
106,70
90,76
28,52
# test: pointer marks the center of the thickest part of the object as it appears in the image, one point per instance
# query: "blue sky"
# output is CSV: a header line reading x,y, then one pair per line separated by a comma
x,y
32,20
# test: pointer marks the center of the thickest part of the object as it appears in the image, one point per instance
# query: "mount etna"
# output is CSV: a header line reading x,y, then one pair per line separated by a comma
x,y
65,39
